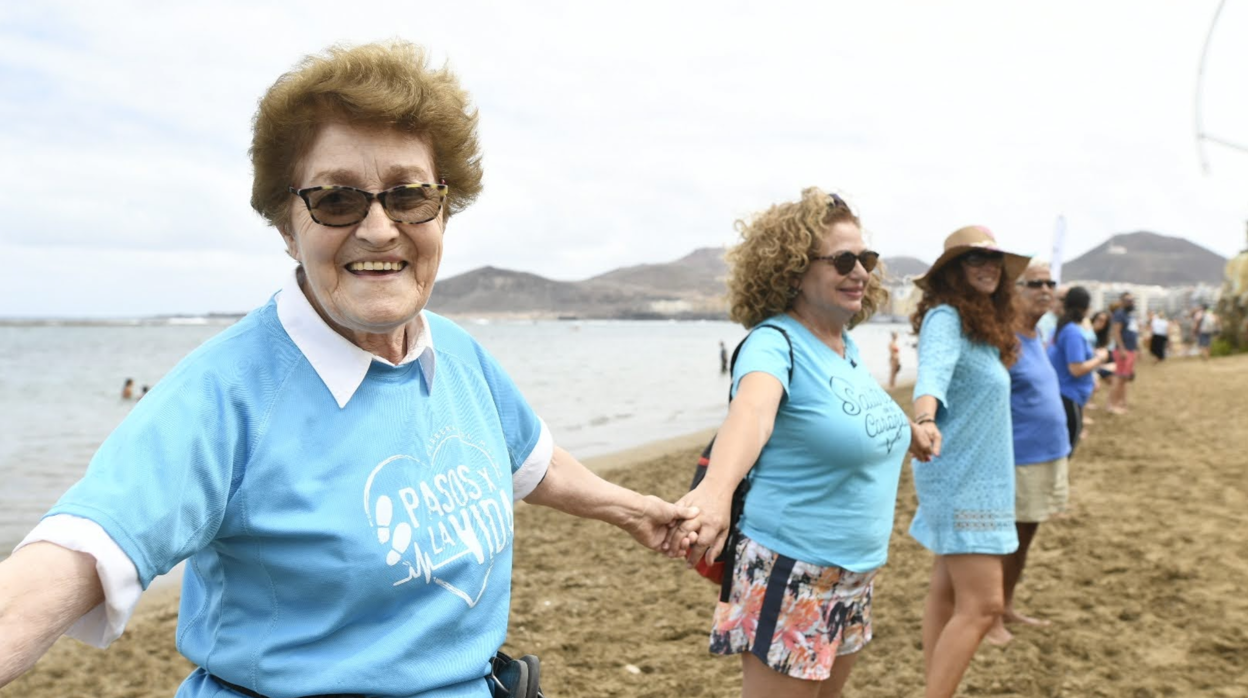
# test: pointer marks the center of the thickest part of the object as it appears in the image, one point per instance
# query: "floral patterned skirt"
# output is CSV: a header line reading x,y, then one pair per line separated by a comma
x,y
794,616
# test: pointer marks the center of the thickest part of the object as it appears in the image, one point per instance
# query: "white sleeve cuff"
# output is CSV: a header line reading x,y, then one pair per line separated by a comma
x,y
104,623
533,470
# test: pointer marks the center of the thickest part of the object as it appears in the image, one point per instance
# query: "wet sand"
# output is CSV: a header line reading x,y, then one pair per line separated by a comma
x,y
1144,579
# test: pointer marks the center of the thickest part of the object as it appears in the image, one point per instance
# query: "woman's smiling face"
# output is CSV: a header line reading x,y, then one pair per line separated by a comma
x,y
985,275
376,275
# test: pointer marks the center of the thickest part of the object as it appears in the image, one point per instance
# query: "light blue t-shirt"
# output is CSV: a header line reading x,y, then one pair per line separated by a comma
x,y
824,488
366,549
1070,347
1036,411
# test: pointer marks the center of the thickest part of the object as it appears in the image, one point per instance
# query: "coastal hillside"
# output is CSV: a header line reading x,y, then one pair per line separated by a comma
x,y
691,287
702,272
1149,259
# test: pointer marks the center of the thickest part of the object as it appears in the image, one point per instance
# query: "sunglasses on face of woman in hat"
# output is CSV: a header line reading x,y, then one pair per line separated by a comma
x,y
980,258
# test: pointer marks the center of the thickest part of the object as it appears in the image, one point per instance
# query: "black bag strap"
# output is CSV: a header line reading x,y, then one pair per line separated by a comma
x,y
732,365
729,554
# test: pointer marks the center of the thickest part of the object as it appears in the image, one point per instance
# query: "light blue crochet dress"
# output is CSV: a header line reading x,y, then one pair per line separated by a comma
x,y
966,496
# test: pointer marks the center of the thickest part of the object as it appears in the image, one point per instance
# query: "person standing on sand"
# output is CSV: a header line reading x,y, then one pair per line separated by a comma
x,y
340,466
1125,333
1075,362
1041,444
1159,331
822,446
1205,330
965,322
723,357
127,389
894,361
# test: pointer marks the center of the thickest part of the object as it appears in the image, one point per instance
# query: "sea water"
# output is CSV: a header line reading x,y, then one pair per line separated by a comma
x,y
601,386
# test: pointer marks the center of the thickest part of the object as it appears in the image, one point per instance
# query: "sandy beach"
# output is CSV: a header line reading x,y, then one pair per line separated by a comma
x,y
1144,579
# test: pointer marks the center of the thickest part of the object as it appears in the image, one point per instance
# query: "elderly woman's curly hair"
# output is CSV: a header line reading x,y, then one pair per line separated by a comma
x,y
384,85
775,251
985,319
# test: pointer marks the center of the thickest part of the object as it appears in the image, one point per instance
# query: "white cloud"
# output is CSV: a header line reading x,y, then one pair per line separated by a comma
x,y
617,133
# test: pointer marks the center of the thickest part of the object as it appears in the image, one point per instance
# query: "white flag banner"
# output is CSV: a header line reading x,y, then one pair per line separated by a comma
x,y
1059,249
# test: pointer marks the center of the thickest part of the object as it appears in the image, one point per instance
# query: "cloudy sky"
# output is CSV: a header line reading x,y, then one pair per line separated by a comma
x,y
617,133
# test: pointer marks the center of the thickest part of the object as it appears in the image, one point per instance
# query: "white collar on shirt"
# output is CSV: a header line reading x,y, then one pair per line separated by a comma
x,y
340,364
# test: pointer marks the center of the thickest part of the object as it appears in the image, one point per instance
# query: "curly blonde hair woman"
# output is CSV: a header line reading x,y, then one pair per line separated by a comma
x,y
821,444
776,249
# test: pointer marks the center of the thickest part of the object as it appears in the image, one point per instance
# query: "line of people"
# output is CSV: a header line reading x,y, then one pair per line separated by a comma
x,y
340,467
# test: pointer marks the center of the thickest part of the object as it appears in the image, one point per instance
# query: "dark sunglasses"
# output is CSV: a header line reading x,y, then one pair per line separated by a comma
x,y
1037,283
844,262
337,206
979,259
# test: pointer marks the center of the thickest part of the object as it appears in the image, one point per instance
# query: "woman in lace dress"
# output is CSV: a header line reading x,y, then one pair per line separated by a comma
x,y
965,323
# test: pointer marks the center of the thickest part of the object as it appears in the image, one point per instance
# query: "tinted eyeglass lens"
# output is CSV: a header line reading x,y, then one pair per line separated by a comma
x,y
412,204
979,259
869,260
337,206
1035,283
845,261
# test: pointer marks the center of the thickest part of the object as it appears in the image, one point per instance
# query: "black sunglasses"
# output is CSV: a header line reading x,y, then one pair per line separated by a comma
x,y
844,262
979,259
338,207
1037,283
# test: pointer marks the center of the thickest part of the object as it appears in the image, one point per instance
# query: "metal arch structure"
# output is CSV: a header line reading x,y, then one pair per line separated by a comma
x,y
1203,137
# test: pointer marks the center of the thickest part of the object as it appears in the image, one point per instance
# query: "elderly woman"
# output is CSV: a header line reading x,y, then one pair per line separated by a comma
x,y
821,443
965,322
340,466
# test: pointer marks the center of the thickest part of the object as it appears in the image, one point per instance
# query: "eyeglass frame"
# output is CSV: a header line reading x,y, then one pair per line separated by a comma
x,y
441,188
857,257
983,257
1038,283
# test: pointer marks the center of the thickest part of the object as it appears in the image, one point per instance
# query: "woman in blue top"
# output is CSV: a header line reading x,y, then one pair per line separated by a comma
x,y
1075,361
821,444
339,467
965,323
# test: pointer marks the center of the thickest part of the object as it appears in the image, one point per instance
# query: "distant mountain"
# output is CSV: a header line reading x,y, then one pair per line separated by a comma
x,y
899,267
494,290
690,287
702,271
694,285
1147,258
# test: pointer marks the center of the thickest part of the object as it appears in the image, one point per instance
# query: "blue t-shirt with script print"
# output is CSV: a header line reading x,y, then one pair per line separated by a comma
x,y
365,549
824,489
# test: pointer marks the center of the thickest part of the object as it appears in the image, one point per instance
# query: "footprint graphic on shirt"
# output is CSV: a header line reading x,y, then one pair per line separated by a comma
x,y
399,538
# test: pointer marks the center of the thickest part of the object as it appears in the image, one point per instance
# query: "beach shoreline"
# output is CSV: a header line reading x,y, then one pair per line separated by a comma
x,y
1141,579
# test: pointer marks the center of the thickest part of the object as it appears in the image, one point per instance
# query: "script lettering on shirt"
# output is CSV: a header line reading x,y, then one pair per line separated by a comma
x,y
439,519
882,420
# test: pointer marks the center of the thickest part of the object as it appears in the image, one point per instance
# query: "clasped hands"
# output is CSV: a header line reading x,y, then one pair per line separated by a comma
x,y
697,525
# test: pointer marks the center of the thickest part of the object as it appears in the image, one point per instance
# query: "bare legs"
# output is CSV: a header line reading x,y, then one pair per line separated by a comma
x,y
1012,568
965,599
761,681
1118,395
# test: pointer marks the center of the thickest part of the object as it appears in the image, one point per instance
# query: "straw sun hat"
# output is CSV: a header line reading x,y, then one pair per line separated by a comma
x,y
975,237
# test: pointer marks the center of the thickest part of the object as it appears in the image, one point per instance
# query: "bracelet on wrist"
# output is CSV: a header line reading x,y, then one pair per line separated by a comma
x,y
925,420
